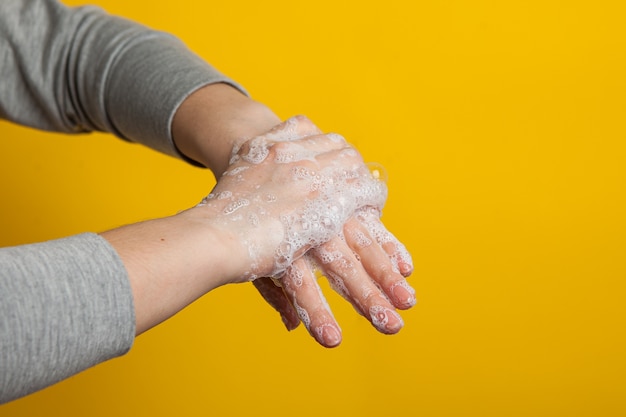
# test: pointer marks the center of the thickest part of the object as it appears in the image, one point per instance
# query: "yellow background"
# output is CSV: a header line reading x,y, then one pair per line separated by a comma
x,y
502,127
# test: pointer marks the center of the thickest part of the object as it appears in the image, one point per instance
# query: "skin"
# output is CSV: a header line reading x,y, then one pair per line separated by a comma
x,y
173,261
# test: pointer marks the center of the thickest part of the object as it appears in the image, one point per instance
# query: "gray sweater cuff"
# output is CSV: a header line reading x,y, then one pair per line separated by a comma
x,y
65,305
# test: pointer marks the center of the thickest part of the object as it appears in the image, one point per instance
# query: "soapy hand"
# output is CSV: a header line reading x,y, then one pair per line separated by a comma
x,y
363,262
281,197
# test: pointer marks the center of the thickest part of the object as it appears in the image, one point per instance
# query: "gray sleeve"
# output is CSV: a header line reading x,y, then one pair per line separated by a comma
x,y
80,69
65,305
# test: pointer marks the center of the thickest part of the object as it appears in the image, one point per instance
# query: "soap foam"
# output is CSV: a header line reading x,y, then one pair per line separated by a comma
x,y
370,218
303,314
343,187
236,205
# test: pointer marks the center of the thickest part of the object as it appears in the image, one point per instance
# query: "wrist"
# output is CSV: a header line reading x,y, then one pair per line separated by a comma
x,y
171,262
241,250
214,119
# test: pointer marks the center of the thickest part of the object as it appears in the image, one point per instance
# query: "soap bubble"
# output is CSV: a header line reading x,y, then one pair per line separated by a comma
x,y
377,171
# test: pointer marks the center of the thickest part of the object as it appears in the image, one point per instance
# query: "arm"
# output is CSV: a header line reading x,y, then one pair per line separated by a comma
x,y
172,261
79,69
65,305
76,70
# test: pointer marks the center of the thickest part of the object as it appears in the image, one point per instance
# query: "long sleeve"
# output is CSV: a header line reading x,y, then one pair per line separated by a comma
x,y
81,69
65,305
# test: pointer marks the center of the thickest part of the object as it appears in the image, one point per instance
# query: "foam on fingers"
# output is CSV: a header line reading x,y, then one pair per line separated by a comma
x,y
301,287
378,264
348,277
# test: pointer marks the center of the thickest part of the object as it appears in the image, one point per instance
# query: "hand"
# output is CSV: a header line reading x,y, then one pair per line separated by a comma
x,y
365,263
368,272
280,198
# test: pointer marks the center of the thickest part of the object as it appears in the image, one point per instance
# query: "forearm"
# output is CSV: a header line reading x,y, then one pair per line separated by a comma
x,y
168,260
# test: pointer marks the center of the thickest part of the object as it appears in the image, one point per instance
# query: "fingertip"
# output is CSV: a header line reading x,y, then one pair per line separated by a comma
x,y
402,258
385,320
403,295
328,335
406,269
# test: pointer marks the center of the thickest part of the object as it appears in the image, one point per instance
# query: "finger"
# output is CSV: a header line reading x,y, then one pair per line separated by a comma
x,y
300,127
304,149
256,149
261,148
400,258
378,265
349,278
275,297
301,287
295,127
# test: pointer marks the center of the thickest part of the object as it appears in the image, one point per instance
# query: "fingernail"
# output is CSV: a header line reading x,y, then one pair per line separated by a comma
x,y
330,335
404,294
406,269
386,320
